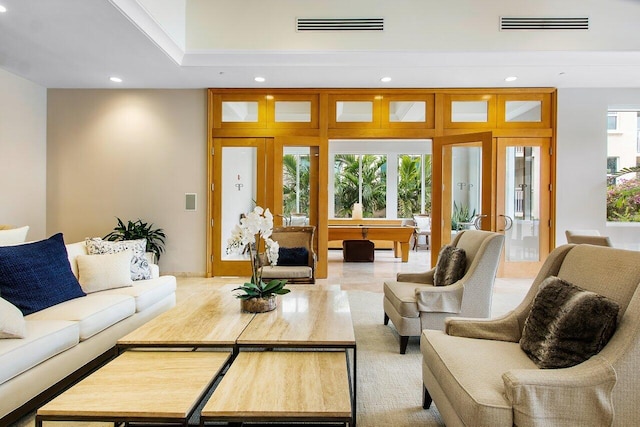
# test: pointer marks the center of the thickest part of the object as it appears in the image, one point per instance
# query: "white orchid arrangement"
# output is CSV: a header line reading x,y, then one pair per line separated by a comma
x,y
253,228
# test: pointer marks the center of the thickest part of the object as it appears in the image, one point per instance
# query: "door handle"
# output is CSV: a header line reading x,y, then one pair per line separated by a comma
x,y
477,223
508,222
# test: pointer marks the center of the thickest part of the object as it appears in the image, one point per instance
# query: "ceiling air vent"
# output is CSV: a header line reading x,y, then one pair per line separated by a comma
x,y
543,23
340,24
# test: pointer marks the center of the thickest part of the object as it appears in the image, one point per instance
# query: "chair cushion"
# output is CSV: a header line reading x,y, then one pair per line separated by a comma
x,y
567,325
293,256
282,272
34,276
139,264
475,390
12,323
451,266
44,339
95,313
102,272
402,296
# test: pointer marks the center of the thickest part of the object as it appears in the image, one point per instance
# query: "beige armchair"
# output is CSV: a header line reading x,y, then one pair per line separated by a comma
x,y
590,237
413,303
477,374
289,238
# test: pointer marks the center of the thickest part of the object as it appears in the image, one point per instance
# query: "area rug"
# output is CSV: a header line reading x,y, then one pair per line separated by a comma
x,y
389,383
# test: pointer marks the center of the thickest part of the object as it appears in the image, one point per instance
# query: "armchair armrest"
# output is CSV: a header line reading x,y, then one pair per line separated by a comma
x,y
440,299
426,277
580,395
505,328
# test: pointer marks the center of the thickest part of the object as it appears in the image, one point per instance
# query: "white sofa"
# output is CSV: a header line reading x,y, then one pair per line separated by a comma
x,y
72,336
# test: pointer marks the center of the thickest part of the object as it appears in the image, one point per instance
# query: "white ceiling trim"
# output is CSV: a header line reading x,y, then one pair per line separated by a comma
x,y
147,24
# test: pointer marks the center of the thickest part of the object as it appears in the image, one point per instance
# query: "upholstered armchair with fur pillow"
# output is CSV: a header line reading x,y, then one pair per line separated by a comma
x,y
568,355
461,284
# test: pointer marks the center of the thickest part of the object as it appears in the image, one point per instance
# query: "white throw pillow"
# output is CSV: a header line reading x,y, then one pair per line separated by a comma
x,y
107,271
140,269
423,222
12,323
13,236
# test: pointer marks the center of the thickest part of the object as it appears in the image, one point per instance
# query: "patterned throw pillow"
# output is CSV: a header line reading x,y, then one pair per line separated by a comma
x,y
140,269
567,324
451,265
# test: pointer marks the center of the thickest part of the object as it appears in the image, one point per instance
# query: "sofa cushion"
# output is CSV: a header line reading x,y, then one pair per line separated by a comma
x,y
34,276
476,391
567,325
139,264
101,272
94,313
451,265
12,323
43,340
73,250
147,292
13,236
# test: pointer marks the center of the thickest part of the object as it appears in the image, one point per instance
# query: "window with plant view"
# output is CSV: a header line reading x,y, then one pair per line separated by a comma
x,y
391,179
623,166
295,183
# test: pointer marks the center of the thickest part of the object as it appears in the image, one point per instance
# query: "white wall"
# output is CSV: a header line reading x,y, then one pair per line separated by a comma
x,y
581,162
23,154
130,154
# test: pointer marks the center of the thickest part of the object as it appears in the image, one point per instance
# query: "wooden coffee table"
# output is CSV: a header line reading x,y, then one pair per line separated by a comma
x,y
133,388
207,319
282,386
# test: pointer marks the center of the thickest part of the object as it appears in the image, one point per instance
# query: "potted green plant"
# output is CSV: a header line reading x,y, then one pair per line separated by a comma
x,y
134,230
257,296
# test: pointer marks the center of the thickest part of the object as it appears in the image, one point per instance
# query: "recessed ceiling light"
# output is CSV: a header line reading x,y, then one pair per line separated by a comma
x,y
115,79
511,79
2,9
385,79
260,79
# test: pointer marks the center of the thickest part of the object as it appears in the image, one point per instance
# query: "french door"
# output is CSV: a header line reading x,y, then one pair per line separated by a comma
x,y
239,175
523,195
281,174
463,168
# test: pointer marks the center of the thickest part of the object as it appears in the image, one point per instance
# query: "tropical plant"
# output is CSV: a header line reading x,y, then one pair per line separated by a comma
x,y
135,230
460,214
254,228
295,184
623,201
410,187
349,183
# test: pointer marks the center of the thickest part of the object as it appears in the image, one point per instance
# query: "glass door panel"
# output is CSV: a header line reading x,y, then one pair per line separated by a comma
x,y
239,168
296,189
523,204
462,169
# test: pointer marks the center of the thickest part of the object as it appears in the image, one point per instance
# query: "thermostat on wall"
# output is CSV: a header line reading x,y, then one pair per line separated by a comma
x,y
190,201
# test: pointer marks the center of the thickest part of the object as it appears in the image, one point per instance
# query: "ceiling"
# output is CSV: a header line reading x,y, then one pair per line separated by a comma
x,y
226,43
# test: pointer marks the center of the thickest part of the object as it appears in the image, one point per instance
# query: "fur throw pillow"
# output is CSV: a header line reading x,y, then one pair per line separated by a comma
x,y
567,325
451,266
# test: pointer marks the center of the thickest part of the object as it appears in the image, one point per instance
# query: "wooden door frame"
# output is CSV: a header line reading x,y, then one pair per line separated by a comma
x,y
440,175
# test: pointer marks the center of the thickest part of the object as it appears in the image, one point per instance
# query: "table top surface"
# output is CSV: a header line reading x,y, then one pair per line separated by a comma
x,y
304,317
210,318
295,385
135,384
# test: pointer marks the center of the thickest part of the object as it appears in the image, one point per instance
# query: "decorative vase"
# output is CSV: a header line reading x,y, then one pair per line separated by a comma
x,y
259,305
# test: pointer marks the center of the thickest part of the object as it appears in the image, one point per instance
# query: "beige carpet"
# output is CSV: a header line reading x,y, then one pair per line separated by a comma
x,y
389,384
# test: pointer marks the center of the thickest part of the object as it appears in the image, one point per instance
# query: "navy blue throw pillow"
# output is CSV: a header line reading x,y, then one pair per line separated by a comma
x,y
34,276
290,257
